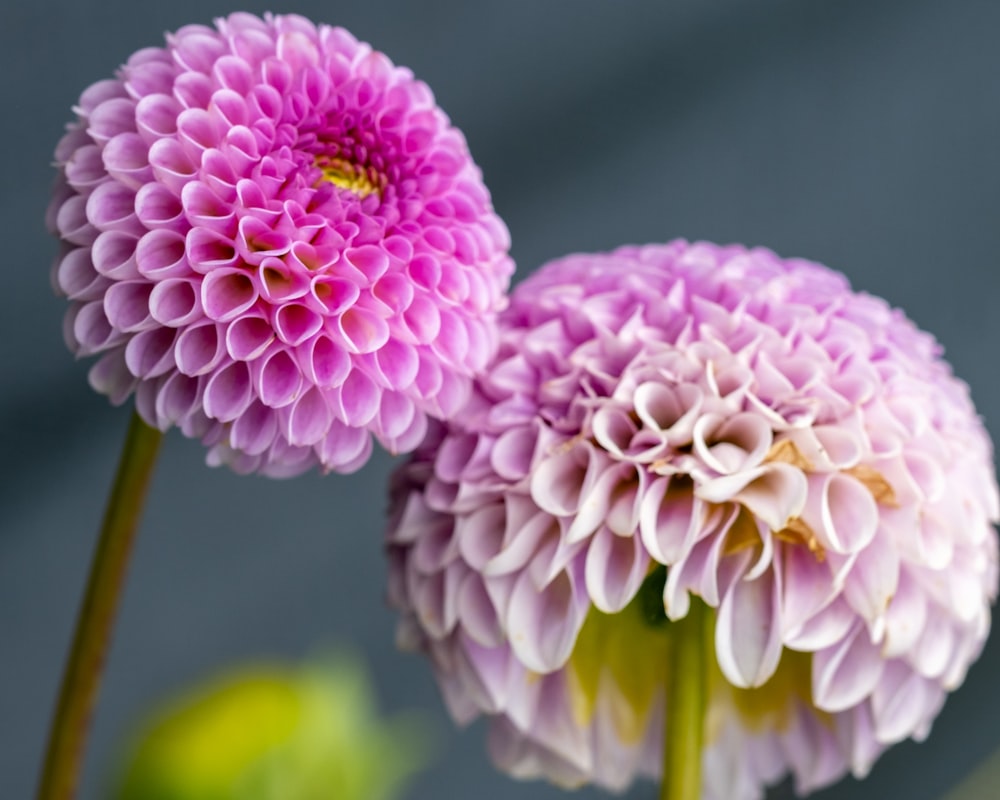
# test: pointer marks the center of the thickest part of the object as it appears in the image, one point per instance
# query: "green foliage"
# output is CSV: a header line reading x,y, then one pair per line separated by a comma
x,y
273,732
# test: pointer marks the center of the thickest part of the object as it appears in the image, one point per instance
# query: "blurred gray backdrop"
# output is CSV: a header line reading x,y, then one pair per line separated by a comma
x,y
861,133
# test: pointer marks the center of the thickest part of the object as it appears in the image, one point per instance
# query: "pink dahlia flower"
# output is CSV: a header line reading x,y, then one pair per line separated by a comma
x,y
278,241
692,423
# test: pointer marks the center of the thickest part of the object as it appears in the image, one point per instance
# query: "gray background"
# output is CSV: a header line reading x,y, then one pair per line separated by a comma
x,y
861,133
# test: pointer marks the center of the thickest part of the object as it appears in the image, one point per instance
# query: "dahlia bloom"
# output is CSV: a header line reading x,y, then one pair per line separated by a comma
x,y
278,242
680,424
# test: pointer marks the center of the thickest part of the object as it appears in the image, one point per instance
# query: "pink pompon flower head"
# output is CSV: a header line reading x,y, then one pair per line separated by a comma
x,y
688,423
278,242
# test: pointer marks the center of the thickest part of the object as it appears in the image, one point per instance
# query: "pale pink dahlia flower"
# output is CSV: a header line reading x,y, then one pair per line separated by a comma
x,y
279,243
692,423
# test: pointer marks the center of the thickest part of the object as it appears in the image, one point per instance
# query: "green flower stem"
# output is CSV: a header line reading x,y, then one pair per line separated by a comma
x,y
687,701
81,680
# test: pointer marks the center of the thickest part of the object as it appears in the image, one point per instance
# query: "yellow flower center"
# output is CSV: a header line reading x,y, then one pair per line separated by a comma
x,y
363,181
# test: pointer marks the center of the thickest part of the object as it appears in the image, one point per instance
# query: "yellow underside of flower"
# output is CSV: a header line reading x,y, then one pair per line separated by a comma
x,y
768,706
362,181
625,655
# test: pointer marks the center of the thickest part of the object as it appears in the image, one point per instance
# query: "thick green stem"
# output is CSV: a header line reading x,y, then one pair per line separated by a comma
x,y
82,677
687,701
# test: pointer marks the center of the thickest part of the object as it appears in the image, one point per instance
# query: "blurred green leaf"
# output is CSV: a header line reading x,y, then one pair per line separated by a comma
x,y
273,732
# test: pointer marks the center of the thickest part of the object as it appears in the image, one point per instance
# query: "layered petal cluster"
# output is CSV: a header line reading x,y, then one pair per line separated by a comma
x,y
278,242
691,423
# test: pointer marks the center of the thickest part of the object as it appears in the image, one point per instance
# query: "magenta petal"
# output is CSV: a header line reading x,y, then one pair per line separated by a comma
x,y
278,379
207,250
111,118
613,429
111,376
371,261
151,353
477,612
512,453
91,328
436,599
407,440
542,625
774,492
398,363
396,415
161,254
900,701
905,617
748,631
254,430
77,278
935,540
226,294
520,543
436,550
228,392
776,496
172,166
126,304
295,323
248,337
670,518
842,448
114,255
846,673
175,302
932,652
615,568
672,411
482,670
345,448
806,587
363,330
454,455
561,481
308,418
324,362
604,503
333,295
199,349
452,340
423,319
841,511
825,628
700,570
126,158
176,399
813,752
736,443
871,584
85,169
359,399
623,502
204,208
857,739
156,116
480,535
72,224
394,292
